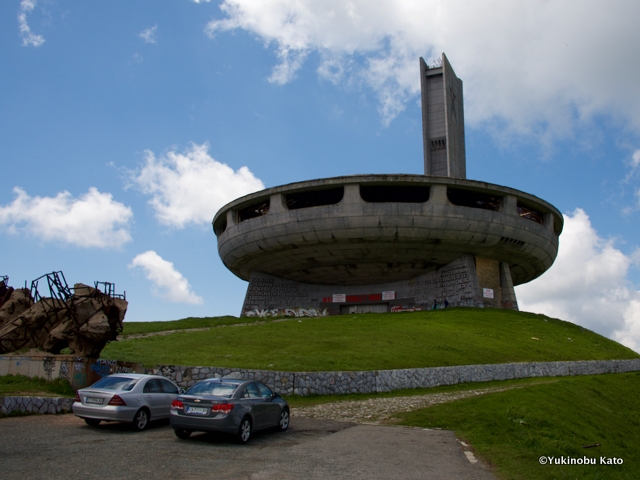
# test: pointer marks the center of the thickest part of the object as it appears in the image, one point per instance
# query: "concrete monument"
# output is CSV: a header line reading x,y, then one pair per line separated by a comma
x,y
380,243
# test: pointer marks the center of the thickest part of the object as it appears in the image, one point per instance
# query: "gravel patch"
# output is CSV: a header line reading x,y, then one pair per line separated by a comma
x,y
381,411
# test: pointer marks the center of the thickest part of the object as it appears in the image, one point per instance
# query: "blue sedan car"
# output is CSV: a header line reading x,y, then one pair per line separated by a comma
x,y
237,407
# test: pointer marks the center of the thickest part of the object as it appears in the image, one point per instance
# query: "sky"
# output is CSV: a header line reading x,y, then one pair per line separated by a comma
x,y
125,126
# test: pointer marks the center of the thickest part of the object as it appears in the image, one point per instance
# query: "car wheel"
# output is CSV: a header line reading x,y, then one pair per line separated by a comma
x,y
92,422
244,432
284,420
141,420
182,433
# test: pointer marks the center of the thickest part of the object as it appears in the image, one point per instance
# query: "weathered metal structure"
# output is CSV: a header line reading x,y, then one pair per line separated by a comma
x,y
391,242
83,318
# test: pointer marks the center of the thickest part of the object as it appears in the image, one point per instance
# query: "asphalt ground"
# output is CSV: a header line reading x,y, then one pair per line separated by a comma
x,y
63,446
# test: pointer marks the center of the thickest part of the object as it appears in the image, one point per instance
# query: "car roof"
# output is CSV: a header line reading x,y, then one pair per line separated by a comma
x,y
236,381
137,375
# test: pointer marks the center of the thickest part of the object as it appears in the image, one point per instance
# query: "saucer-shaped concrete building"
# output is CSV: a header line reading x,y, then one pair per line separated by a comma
x,y
380,243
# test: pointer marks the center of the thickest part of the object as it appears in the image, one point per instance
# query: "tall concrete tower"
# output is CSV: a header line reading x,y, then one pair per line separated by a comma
x,y
442,120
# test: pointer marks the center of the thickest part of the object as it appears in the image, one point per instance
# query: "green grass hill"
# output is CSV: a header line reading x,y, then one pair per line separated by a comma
x,y
456,336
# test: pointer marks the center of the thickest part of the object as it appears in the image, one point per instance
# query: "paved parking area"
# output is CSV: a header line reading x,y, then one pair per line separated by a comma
x,y
62,446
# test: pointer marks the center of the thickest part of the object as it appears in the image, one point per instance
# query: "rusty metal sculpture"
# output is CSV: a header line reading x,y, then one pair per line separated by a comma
x,y
82,318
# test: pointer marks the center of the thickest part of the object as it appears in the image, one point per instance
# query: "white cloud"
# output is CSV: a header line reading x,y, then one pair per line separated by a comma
x,y
587,285
635,159
190,187
168,283
631,176
149,34
93,220
538,67
200,1
28,38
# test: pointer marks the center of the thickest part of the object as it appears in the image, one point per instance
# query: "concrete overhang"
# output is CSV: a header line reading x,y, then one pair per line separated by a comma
x,y
290,231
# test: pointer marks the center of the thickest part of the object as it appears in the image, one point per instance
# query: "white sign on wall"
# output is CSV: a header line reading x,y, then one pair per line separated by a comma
x,y
487,292
388,295
339,297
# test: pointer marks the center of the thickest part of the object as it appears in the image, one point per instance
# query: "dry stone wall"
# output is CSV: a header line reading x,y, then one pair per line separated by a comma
x,y
50,405
298,383
337,383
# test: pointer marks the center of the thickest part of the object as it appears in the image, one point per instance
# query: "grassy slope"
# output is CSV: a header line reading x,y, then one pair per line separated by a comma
x,y
513,429
457,336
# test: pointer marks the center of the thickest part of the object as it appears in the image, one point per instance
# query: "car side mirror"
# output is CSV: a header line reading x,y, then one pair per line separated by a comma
x,y
181,391
276,395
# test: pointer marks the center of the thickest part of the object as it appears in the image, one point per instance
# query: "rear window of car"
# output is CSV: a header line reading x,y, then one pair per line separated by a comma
x,y
116,383
214,389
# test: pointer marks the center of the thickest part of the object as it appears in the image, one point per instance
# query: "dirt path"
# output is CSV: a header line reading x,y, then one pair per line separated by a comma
x,y
200,329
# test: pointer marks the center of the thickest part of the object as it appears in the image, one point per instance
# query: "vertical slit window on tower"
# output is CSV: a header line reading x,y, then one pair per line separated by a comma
x,y
470,198
314,198
394,193
438,143
253,211
530,213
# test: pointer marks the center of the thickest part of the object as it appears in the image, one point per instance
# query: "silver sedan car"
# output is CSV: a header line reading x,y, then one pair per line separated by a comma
x,y
126,397
234,406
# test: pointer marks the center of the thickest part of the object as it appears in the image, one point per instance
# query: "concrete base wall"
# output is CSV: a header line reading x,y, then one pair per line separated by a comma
x,y
80,372
462,282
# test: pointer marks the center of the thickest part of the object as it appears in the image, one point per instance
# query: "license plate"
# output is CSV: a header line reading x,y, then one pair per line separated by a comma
x,y
197,410
94,400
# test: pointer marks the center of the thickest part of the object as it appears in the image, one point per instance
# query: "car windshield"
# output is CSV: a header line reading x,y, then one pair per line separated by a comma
x,y
116,383
213,388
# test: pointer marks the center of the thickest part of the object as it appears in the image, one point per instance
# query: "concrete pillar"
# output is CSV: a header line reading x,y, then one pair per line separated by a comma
x,y
510,205
231,218
488,272
276,204
506,284
351,193
548,221
438,195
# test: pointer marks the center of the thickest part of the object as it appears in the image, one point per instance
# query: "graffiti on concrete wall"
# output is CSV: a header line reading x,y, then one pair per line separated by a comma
x,y
286,312
167,371
79,375
79,378
305,312
48,364
107,367
64,371
259,312
100,369
403,308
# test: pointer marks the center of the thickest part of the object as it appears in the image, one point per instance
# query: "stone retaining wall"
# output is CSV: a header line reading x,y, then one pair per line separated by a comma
x,y
336,383
52,405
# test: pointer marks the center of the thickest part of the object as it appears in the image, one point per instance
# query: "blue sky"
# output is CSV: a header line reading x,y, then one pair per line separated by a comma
x,y
124,127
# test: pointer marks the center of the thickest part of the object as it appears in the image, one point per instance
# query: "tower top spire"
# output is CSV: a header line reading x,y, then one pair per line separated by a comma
x,y
442,120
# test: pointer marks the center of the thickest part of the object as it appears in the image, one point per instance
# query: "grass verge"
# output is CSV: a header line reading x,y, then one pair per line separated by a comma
x,y
514,428
20,385
456,336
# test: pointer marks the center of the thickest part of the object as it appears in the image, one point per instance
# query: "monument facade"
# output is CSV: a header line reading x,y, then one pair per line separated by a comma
x,y
381,243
